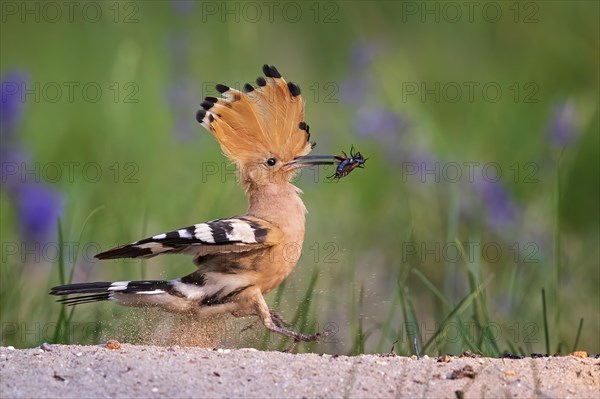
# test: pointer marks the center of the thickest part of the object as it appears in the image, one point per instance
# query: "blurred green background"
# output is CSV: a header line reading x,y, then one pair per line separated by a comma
x,y
480,123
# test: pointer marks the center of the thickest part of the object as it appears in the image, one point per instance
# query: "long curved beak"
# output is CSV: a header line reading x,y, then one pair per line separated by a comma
x,y
309,160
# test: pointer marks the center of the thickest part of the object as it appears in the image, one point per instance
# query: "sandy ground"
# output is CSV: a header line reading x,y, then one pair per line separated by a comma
x,y
70,371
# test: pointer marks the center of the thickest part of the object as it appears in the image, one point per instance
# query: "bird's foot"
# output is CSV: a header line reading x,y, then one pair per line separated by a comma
x,y
298,337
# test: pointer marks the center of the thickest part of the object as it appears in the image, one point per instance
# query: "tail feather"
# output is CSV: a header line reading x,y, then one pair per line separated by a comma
x,y
103,291
78,300
81,288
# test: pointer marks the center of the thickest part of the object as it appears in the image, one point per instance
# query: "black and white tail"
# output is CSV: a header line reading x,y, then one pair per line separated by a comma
x,y
104,291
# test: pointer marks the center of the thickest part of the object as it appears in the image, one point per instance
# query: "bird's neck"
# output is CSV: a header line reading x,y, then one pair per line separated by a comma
x,y
279,203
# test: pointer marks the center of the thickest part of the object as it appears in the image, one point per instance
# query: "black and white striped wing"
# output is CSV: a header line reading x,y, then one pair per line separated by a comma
x,y
237,234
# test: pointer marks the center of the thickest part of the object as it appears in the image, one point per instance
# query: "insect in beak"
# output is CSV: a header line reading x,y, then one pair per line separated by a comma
x,y
348,164
345,164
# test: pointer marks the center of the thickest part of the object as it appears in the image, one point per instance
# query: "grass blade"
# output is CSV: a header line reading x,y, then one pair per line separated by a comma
x,y
301,316
385,329
462,305
578,335
85,222
279,294
557,248
409,319
143,262
545,314
418,339
61,322
432,288
61,255
358,346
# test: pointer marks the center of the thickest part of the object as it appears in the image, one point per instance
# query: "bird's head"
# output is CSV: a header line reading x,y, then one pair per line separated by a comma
x,y
262,129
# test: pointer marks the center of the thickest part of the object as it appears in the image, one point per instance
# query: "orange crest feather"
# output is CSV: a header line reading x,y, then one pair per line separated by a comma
x,y
258,122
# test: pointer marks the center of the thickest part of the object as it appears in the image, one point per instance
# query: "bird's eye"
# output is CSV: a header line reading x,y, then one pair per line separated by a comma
x,y
271,161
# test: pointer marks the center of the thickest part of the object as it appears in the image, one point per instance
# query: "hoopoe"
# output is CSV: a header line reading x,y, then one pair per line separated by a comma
x,y
239,259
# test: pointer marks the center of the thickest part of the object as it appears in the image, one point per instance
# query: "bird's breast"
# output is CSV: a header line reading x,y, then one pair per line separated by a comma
x,y
282,207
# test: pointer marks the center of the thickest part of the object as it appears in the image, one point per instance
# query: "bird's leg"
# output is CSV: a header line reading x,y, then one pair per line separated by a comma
x,y
265,316
278,320
276,317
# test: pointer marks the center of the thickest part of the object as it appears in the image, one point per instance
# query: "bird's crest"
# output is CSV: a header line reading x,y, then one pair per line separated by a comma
x,y
259,122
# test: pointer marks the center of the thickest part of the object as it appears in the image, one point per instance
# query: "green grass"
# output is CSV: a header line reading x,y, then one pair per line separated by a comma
x,y
393,237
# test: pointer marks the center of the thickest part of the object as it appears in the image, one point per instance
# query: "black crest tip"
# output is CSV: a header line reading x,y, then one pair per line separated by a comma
x,y
221,88
207,105
306,128
248,88
275,73
295,90
261,81
200,115
211,99
267,71
271,72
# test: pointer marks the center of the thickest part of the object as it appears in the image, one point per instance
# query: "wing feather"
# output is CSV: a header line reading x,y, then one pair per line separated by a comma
x,y
237,234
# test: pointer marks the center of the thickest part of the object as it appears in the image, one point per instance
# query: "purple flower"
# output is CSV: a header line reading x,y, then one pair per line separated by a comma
x,y
13,159
12,105
182,101
562,130
386,127
501,209
38,208
379,123
363,53
354,89
424,158
178,47
182,98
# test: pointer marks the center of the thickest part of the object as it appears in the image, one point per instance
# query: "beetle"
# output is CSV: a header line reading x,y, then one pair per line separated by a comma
x,y
348,164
